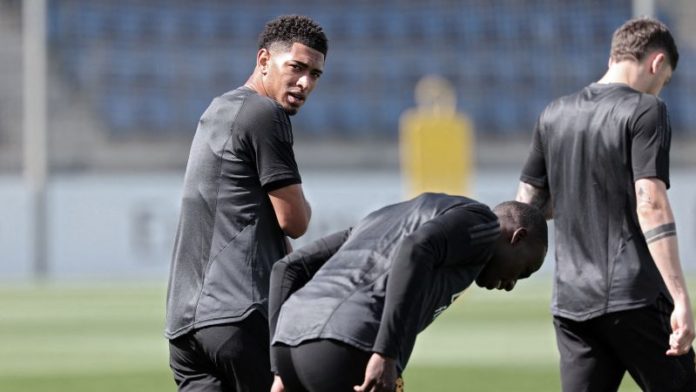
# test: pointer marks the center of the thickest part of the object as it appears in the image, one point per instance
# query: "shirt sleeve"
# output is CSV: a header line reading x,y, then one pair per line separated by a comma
x,y
534,170
293,271
459,236
652,135
270,133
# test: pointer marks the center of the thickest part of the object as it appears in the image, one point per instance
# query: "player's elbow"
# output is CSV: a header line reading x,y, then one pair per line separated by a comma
x,y
651,216
294,226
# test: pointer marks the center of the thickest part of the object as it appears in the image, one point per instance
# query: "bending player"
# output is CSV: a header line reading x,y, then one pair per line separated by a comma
x,y
354,301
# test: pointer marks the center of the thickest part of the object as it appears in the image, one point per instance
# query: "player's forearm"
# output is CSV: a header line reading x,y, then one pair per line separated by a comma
x,y
537,197
666,257
661,235
657,223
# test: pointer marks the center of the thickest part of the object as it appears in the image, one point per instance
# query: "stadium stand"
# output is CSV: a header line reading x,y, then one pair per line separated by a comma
x,y
150,68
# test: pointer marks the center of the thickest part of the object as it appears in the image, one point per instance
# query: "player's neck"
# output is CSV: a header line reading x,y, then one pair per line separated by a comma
x,y
624,72
255,82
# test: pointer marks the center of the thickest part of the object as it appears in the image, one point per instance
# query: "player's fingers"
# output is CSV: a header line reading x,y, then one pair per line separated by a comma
x,y
366,385
679,343
675,352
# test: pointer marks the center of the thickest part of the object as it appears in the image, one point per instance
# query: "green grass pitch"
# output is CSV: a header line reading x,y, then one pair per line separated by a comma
x,y
109,338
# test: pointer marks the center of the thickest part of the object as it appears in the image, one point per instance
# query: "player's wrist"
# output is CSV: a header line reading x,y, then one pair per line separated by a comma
x,y
386,358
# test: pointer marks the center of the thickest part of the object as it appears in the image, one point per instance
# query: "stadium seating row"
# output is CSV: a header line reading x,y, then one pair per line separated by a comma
x,y
154,68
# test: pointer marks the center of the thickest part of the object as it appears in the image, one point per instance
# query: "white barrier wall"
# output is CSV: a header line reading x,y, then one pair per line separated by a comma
x,y
122,227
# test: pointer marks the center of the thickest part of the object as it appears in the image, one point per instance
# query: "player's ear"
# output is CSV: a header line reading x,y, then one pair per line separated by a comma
x,y
263,57
657,63
518,235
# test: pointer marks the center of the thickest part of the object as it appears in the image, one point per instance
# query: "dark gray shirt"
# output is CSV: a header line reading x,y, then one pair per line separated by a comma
x,y
228,235
588,149
378,286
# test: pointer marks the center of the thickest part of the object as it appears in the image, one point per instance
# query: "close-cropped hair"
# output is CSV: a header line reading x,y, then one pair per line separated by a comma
x,y
528,216
288,29
640,36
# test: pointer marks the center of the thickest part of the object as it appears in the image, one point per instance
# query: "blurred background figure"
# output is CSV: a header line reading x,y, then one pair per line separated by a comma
x,y
436,142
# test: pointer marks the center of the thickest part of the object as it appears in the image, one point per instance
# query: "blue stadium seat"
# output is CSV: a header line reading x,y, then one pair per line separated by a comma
x,y
125,67
156,111
126,22
204,24
119,109
167,24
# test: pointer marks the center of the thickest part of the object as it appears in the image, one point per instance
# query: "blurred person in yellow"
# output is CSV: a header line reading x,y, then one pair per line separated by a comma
x,y
242,198
599,166
436,142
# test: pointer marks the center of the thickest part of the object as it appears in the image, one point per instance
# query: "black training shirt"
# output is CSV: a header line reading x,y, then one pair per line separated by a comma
x,y
228,235
379,285
588,149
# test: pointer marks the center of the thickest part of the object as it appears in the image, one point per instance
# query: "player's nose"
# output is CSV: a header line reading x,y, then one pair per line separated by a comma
x,y
304,83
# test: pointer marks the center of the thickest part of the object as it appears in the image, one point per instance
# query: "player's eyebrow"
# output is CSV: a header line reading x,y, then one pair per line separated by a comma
x,y
305,65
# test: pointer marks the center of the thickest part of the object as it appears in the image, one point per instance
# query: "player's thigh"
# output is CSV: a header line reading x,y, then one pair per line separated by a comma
x,y
286,369
239,353
587,364
328,365
641,337
192,371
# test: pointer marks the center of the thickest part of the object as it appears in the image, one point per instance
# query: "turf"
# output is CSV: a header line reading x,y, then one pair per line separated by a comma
x,y
101,337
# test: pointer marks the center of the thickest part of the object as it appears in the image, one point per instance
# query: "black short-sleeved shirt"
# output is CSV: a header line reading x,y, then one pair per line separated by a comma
x,y
228,235
588,149
450,238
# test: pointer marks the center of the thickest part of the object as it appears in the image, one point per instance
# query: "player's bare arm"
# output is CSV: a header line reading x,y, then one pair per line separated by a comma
x,y
657,222
291,209
535,196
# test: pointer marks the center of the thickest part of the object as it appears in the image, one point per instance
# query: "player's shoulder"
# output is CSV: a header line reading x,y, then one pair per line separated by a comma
x,y
252,103
456,204
650,101
252,112
472,217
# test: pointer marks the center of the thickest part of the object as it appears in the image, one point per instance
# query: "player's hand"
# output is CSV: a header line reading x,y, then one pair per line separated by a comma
x,y
682,336
277,384
380,375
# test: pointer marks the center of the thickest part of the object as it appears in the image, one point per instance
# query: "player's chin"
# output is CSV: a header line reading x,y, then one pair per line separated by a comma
x,y
291,110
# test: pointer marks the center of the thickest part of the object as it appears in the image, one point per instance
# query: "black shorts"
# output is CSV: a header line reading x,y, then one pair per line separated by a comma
x,y
229,357
596,353
321,366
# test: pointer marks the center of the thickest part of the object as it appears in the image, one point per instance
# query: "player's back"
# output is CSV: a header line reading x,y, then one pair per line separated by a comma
x,y
586,140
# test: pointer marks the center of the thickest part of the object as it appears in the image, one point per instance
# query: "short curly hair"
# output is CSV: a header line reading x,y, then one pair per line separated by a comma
x,y
288,29
525,215
640,36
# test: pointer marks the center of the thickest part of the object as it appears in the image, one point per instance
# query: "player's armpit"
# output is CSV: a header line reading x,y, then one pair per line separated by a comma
x,y
535,196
